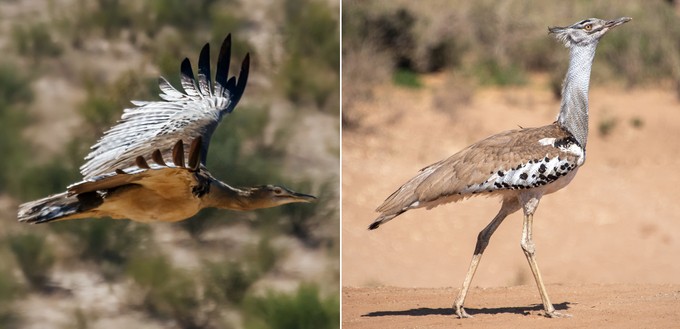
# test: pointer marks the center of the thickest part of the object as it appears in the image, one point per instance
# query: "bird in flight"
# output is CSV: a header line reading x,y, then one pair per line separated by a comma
x,y
151,166
519,166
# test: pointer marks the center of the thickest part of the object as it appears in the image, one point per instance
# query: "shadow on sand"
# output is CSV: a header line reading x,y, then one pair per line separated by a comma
x,y
424,311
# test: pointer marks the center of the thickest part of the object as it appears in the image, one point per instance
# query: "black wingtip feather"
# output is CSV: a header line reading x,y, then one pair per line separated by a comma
x,y
186,70
223,62
242,78
204,66
374,225
231,85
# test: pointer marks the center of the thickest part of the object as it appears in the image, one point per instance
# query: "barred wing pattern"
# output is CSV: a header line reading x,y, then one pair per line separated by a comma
x,y
187,115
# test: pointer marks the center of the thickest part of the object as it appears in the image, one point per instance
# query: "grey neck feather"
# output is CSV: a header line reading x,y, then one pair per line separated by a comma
x,y
574,108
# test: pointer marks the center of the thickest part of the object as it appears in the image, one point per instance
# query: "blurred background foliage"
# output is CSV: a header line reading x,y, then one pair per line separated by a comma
x,y
499,43
68,70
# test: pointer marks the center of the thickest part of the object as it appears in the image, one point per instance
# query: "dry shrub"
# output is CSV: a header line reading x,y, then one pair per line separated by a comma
x,y
363,67
453,94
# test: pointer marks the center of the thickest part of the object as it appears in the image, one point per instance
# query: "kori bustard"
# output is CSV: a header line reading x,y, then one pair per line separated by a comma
x,y
119,182
519,166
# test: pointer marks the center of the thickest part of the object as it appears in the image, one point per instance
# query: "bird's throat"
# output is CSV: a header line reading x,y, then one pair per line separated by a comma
x,y
574,107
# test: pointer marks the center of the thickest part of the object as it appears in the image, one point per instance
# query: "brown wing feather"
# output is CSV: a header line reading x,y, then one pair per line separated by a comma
x,y
449,178
154,177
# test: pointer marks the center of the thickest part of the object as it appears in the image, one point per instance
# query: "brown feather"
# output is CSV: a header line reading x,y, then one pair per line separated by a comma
x,y
195,153
102,184
141,163
157,157
178,154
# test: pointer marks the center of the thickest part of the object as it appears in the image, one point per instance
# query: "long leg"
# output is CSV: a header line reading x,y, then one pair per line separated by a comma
x,y
509,206
529,249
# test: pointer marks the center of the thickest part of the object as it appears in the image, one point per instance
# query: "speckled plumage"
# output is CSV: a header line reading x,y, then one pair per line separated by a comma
x,y
519,166
493,165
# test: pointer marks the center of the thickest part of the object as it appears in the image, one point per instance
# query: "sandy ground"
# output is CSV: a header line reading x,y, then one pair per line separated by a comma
x,y
590,306
616,223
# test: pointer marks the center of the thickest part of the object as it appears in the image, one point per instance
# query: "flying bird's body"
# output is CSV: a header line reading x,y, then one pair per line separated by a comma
x,y
118,180
519,166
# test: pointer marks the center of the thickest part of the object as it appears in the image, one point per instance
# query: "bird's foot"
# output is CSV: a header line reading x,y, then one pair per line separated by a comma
x,y
460,312
555,314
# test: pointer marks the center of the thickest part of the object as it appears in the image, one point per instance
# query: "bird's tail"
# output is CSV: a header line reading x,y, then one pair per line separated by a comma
x,y
48,209
384,218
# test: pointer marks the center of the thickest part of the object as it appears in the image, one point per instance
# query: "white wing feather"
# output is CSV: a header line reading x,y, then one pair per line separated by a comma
x,y
179,116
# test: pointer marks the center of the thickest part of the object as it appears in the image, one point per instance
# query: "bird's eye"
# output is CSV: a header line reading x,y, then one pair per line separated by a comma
x,y
588,27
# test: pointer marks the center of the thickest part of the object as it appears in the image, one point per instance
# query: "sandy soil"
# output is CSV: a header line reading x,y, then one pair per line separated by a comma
x,y
590,306
616,223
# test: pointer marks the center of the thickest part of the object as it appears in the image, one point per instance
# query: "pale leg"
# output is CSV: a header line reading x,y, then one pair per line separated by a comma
x,y
508,207
529,251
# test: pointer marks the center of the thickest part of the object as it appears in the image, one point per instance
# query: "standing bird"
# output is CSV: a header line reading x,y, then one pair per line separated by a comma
x,y
118,181
520,166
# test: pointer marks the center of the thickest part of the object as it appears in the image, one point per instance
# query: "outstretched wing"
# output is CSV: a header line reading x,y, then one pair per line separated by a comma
x,y
196,112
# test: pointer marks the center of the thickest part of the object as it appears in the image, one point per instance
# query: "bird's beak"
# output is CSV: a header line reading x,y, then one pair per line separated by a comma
x,y
301,197
616,22
555,29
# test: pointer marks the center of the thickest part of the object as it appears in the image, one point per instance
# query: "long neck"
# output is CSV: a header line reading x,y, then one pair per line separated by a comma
x,y
224,196
574,108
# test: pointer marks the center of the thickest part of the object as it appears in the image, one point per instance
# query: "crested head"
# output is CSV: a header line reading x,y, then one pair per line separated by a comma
x,y
585,32
273,195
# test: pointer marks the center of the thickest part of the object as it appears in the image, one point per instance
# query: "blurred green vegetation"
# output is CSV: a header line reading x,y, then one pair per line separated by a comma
x,y
35,41
310,69
301,310
229,281
10,290
108,243
406,78
35,258
169,293
86,44
15,94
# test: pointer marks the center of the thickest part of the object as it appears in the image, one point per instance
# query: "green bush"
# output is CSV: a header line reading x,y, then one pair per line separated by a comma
x,y
15,94
104,103
406,78
310,71
169,293
43,179
34,256
109,243
35,41
304,309
264,257
491,72
9,291
185,16
228,281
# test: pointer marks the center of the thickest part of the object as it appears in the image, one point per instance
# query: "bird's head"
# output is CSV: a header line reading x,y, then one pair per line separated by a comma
x,y
585,32
273,195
